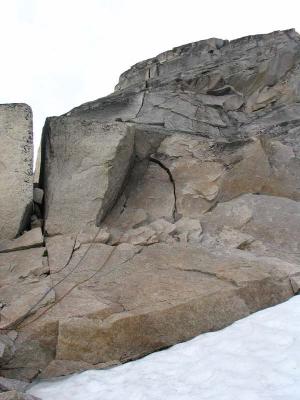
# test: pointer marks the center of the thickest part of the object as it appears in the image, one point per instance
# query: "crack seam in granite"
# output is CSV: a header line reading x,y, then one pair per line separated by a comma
x,y
161,165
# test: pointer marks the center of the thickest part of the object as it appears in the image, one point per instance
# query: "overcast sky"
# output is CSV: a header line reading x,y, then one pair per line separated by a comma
x,y
56,54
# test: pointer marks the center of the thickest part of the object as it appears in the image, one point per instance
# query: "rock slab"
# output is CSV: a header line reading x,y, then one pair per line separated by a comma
x,y
84,165
16,175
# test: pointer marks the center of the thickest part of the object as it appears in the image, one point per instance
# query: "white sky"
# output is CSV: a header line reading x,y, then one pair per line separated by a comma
x,y
57,54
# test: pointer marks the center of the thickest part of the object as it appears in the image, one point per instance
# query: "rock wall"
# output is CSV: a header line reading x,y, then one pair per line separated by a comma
x,y
229,113
171,208
15,169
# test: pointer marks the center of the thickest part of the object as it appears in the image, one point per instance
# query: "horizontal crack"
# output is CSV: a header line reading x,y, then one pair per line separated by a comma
x,y
212,274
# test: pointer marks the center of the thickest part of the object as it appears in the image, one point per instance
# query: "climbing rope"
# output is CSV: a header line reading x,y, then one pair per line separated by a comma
x,y
15,324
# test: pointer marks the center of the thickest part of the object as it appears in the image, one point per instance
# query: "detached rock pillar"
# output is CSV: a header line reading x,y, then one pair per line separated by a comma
x,y
16,178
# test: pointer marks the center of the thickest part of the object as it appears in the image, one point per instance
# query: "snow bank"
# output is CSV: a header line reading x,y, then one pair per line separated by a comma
x,y
256,358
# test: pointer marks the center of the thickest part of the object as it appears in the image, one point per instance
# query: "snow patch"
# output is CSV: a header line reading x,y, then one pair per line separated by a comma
x,y
256,358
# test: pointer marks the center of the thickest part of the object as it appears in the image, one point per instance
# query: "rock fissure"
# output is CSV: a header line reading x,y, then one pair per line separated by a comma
x,y
69,258
142,104
161,165
211,274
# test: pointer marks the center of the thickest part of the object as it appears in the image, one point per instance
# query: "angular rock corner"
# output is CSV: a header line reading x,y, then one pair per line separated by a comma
x,y
169,208
15,169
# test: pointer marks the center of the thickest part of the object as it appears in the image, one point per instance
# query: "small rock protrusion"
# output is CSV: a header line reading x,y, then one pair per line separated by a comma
x,y
189,230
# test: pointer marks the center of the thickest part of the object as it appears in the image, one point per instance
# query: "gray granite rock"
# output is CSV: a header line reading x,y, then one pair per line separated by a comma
x,y
12,384
225,93
191,168
84,165
212,88
15,168
15,395
7,347
30,239
38,195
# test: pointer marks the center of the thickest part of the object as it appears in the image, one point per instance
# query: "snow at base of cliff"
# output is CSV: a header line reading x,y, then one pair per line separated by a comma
x,y
256,358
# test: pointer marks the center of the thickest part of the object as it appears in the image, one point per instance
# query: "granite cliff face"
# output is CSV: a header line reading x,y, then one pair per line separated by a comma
x,y
222,116
171,207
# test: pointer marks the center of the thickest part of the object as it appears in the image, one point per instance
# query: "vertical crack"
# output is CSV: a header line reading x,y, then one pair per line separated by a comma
x,y
159,163
142,104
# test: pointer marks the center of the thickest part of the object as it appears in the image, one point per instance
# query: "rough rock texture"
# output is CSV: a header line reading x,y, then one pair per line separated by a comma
x,y
15,168
264,225
171,208
15,395
84,165
180,292
24,280
229,113
143,299
32,238
12,384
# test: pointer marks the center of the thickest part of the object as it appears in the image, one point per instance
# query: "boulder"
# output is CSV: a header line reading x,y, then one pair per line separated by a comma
x,y
84,165
16,176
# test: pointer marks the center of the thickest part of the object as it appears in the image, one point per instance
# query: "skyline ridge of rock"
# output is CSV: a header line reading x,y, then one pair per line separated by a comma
x,y
193,92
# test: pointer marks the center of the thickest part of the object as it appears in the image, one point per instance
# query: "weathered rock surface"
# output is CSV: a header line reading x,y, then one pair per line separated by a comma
x,y
24,280
211,88
15,395
7,347
32,238
295,282
178,292
264,225
38,195
143,299
171,208
12,384
125,301
238,99
15,169
84,165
